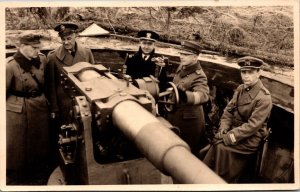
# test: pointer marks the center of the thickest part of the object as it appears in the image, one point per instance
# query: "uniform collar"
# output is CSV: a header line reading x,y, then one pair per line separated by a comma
x,y
145,57
186,70
61,52
254,89
246,97
26,64
140,53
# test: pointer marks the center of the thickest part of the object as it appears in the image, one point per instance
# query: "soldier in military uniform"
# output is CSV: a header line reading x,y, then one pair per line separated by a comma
x,y
26,109
69,53
144,62
243,124
191,82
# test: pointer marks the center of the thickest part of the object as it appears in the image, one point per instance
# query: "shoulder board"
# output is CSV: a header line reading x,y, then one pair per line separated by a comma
x,y
240,87
9,59
198,71
265,90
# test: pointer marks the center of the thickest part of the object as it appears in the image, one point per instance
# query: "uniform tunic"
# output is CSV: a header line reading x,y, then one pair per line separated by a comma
x,y
138,67
60,102
26,117
189,116
245,117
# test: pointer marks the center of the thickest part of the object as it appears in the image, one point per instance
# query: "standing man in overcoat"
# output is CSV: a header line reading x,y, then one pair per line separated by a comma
x,y
193,90
69,53
26,110
243,124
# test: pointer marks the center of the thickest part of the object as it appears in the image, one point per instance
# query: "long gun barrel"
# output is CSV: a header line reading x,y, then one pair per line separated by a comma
x,y
101,102
160,145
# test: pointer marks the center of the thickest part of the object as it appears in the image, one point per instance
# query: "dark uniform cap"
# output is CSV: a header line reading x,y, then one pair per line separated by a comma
x,y
30,39
65,28
190,47
249,62
148,35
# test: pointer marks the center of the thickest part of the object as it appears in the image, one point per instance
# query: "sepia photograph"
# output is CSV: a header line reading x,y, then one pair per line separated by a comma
x,y
150,95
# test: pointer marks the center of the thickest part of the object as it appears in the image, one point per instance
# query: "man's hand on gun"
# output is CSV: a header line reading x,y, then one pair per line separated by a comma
x,y
181,92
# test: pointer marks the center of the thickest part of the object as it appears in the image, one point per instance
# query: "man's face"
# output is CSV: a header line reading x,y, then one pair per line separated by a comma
x,y
187,58
30,51
69,41
250,76
147,46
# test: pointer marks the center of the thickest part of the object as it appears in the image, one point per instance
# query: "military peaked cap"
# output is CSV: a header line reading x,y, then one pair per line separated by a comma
x,y
249,62
190,47
30,39
148,35
66,28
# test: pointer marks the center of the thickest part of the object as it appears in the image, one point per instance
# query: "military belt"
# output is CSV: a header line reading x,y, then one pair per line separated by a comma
x,y
34,93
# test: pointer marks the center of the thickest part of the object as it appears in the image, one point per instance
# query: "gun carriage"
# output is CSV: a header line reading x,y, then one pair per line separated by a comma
x,y
113,127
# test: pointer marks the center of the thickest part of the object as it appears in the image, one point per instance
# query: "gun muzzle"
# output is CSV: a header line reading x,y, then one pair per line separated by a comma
x,y
160,145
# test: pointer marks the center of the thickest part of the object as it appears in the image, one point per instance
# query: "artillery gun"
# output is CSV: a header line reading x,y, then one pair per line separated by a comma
x,y
223,77
115,138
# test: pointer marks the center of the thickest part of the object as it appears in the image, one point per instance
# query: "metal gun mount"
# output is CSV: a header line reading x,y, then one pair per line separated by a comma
x,y
168,98
115,137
